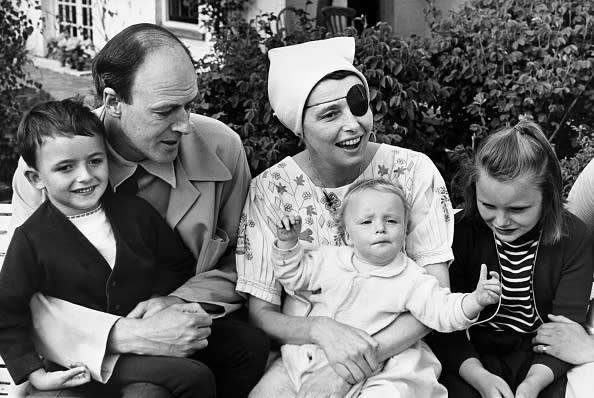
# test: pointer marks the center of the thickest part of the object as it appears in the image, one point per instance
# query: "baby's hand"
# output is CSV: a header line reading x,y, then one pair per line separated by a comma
x,y
487,290
288,229
76,376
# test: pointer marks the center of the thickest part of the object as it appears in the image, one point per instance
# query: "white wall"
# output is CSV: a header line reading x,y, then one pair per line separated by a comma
x,y
111,16
130,12
35,42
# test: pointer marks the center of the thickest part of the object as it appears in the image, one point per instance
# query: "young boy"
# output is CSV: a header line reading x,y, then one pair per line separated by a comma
x,y
88,246
368,283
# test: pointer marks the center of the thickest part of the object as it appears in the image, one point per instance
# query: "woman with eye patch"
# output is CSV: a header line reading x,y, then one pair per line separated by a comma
x,y
318,94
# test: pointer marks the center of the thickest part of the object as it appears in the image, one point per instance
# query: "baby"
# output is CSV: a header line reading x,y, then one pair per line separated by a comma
x,y
368,284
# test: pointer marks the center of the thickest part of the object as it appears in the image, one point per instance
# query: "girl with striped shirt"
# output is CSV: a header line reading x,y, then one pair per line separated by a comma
x,y
515,223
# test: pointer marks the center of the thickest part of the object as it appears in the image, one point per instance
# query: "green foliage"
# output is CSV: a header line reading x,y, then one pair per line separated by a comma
x,y
572,166
14,30
403,93
521,57
501,60
233,83
233,87
220,13
485,66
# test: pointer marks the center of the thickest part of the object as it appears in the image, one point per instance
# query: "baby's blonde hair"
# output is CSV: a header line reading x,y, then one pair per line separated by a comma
x,y
376,184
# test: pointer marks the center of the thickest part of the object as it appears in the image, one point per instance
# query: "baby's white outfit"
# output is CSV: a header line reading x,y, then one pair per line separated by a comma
x,y
370,298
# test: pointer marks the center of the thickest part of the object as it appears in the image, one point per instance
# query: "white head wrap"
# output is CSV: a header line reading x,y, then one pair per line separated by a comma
x,y
295,70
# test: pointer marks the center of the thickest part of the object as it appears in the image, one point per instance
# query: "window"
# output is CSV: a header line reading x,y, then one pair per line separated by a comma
x,y
183,11
183,18
75,17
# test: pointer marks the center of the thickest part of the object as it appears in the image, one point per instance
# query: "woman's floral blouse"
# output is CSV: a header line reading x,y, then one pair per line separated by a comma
x,y
285,188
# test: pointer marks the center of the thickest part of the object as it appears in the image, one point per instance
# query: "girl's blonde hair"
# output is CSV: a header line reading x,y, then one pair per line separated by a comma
x,y
376,184
514,151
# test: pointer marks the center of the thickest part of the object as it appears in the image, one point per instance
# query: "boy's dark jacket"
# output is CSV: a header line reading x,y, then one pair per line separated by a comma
x,y
562,280
48,254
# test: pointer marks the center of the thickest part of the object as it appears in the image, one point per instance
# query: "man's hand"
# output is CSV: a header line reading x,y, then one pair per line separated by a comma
x,y
178,330
351,352
324,383
149,307
564,339
76,376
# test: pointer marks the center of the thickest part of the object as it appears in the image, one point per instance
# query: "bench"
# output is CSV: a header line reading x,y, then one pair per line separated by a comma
x,y
6,383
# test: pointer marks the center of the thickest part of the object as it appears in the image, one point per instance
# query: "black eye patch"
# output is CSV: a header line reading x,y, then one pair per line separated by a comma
x,y
356,99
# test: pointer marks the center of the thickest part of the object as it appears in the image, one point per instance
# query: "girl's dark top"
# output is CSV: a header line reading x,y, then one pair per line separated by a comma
x,y
562,280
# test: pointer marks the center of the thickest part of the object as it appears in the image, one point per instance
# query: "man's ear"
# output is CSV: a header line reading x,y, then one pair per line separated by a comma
x,y
112,102
32,176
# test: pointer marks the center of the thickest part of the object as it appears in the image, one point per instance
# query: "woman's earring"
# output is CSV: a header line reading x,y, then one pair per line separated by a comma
x,y
372,136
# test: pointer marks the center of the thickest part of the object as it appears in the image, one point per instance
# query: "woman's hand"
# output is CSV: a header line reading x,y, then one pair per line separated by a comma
x,y
485,382
76,376
351,352
564,339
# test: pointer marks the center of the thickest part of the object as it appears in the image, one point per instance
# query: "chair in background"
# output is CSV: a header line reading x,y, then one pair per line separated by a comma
x,y
286,21
337,19
321,4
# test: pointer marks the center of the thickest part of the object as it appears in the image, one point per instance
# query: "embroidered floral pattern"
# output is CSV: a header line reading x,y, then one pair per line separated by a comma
x,y
331,202
444,200
285,188
241,236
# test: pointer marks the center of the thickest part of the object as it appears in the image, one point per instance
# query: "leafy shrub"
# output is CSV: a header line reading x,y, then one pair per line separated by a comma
x,y
522,57
572,166
53,50
481,68
220,13
14,30
233,85
403,94
501,60
233,81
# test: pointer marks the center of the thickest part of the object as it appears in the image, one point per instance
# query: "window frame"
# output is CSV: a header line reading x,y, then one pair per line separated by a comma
x,y
189,30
